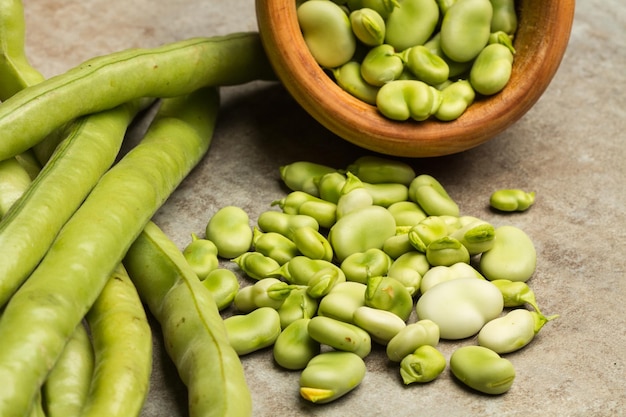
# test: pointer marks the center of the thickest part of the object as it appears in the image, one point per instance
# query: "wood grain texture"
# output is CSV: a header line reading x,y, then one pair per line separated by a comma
x,y
541,40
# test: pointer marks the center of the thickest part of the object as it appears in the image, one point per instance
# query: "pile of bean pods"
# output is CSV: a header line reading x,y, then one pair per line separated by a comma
x,y
413,59
347,258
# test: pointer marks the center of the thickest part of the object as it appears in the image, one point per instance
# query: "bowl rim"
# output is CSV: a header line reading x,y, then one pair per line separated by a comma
x,y
344,115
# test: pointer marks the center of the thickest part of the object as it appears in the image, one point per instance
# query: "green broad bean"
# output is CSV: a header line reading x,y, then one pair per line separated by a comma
x,y
438,274
340,335
504,16
513,256
397,245
360,230
256,265
301,176
294,348
477,236
342,301
327,32
512,200
331,375
512,331
412,23
432,197
360,266
267,292
423,365
244,299
283,223
223,285
455,99
374,169
406,213
353,196
348,77
447,251
516,293
465,29
312,244
482,369
368,26
201,255
382,325
381,65
389,294
387,194
502,38
491,70
409,268
274,245
301,269
428,230
455,69
322,282
331,185
444,5
426,65
297,305
229,229
408,99
253,331
299,202
382,7
406,341
460,307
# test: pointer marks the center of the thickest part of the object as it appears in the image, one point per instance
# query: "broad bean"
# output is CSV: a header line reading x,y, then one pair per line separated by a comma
x,y
297,305
382,7
447,251
491,69
256,265
312,244
397,245
368,26
274,245
409,268
432,197
380,170
406,213
408,339
465,29
223,285
438,274
253,331
425,65
283,223
404,99
360,266
512,331
460,307
348,77
340,335
504,16
331,185
201,255
302,175
455,99
423,365
387,194
294,348
323,281
477,236
299,202
511,200
389,294
354,196
455,69
342,301
230,231
331,375
327,32
428,230
382,325
412,23
513,256
482,369
361,230
301,269
381,65
516,293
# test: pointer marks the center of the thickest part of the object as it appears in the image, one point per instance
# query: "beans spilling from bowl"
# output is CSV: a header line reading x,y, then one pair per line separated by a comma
x,y
413,59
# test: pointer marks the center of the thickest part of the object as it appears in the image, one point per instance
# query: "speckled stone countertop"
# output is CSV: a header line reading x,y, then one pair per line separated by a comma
x,y
570,149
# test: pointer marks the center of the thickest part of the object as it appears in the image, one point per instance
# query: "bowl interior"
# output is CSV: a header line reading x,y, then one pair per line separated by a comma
x,y
540,42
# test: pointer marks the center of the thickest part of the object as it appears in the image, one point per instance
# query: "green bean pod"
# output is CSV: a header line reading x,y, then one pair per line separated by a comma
x,y
122,342
193,330
331,375
67,385
253,331
294,348
95,239
14,181
104,82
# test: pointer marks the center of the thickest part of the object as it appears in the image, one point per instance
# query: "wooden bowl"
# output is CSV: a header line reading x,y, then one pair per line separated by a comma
x,y
541,39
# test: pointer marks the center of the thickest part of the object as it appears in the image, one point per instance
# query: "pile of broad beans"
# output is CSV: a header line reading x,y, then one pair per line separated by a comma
x,y
413,59
338,266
